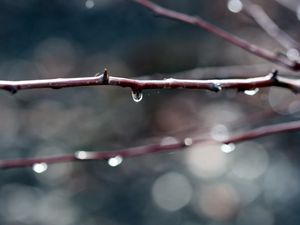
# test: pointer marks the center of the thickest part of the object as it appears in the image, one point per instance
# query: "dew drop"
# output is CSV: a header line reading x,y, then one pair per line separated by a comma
x,y
188,141
251,92
234,6
115,161
83,155
293,54
227,148
137,95
89,4
39,167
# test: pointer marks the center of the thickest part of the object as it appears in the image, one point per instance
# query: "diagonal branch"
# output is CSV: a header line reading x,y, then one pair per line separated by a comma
x,y
239,42
136,85
155,148
266,23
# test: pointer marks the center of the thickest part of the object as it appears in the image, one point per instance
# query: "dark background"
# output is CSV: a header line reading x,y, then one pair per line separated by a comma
x,y
258,183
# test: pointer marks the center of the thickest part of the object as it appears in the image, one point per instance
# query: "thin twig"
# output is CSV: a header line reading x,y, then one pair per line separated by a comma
x,y
215,85
155,148
241,43
291,5
257,13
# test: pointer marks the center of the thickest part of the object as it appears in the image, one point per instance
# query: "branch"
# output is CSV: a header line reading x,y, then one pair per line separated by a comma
x,y
155,148
137,86
241,43
290,5
266,23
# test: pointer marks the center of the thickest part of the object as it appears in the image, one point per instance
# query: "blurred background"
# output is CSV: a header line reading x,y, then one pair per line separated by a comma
x,y
257,183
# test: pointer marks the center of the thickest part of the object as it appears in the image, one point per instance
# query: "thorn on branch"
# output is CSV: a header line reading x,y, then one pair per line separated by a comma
x,y
216,87
105,77
274,76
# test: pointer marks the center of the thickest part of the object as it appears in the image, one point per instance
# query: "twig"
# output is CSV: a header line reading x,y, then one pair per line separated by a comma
x,y
291,5
156,148
266,23
215,85
241,43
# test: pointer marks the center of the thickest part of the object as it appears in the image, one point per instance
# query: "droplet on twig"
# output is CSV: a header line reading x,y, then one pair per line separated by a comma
x,y
234,6
251,92
188,141
115,161
227,148
39,167
83,155
137,95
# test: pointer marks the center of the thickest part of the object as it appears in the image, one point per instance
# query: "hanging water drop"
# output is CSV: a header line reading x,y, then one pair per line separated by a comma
x,y
234,6
227,148
137,95
39,167
251,92
115,161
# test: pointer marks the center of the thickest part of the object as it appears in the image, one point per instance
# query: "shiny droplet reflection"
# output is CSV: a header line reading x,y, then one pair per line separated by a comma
x,y
39,167
227,148
251,92
137,95
83,155
188,141
115,161
234,6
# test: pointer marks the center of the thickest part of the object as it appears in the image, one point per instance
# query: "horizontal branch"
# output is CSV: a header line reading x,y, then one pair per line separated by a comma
x,y
155,148
215,85
237,41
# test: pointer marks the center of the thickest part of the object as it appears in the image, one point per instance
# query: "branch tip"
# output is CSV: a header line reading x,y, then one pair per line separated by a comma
x,y
274,75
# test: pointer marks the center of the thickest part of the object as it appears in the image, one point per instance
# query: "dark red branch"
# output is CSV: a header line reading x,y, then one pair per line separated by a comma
x,y
213,85
241,43
156,148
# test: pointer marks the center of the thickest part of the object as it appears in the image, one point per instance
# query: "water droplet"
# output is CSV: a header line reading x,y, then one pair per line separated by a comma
x,y
83,155
188,141
168,141
251,92
293,54
234,6
227,148
115,161
39,167
89,4
137,95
